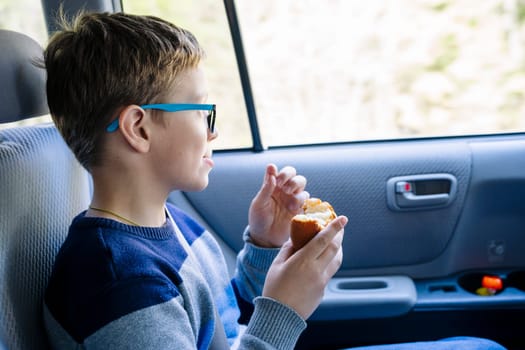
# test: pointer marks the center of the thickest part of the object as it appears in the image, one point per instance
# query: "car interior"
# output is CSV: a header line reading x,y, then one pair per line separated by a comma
x,y
42,188
434,246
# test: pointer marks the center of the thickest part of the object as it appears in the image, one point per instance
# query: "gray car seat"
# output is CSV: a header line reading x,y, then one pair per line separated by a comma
x,y
42,187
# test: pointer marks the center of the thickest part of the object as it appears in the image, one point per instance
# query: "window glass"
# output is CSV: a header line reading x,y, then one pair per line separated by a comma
x,y
207,20
344,70
24,16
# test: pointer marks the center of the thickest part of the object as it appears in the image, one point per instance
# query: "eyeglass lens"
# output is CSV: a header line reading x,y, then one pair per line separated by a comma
x,y
211,120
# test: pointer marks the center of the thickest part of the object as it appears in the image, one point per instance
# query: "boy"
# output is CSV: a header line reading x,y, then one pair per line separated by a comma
x,y
128,95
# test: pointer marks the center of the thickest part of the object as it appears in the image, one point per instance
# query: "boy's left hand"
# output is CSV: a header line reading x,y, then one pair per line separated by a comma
x,y
280,198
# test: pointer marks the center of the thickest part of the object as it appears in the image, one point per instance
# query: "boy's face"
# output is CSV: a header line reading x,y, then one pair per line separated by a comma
x,y
181,146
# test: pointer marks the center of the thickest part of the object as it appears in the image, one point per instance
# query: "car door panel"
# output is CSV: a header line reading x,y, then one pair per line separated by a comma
x,y
354,179
433,249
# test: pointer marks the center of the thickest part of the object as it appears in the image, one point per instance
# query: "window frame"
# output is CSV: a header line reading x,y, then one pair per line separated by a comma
x,y
258,144
233,21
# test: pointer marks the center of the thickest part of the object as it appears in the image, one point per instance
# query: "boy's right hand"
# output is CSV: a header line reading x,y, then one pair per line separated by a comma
x,y
298,279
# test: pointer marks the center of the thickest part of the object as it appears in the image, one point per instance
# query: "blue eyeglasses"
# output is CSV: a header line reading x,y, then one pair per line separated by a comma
x,y
176,107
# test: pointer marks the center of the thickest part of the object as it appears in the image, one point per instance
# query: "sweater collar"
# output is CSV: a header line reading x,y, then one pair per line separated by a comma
x,y
162,232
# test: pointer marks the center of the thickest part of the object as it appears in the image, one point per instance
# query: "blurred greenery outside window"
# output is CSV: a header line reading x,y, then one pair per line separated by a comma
x,y
345,70
349,70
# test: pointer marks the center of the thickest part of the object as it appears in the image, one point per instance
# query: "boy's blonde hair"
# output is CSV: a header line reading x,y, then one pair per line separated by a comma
x,y
101,62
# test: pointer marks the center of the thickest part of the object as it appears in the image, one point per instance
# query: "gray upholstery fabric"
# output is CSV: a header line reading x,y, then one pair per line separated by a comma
x,y
22,94
42,187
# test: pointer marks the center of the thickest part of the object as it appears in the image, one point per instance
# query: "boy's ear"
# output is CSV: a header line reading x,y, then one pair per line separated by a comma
x,y
134,127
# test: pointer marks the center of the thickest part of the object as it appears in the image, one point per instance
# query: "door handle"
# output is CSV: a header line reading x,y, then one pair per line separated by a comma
x,y
426,191
410,200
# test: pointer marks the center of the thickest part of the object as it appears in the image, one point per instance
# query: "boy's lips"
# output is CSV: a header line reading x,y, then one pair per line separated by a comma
x,y
209,161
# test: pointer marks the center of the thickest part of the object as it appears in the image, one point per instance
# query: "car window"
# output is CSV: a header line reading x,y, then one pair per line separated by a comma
x,y
24,16
345,70
207,20
350,70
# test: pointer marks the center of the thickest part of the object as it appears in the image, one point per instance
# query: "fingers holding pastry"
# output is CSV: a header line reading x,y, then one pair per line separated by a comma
x,y
316,216
291,189
285,181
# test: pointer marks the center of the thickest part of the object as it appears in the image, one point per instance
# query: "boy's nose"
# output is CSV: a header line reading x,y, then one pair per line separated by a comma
x,y
213,135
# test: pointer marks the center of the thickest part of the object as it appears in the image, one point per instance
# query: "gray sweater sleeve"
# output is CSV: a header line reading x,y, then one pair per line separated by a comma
x,y
272,326
252,265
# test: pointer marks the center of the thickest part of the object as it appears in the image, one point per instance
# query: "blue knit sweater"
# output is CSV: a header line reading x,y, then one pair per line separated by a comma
x,y
116,286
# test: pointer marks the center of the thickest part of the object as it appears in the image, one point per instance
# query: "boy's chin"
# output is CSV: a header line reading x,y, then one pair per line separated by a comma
x,y
197,187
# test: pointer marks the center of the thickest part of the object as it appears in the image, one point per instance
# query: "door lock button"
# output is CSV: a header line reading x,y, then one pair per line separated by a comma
x,y
403,187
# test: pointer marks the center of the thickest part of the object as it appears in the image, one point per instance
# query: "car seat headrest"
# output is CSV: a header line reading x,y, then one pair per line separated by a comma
x,y
23,91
